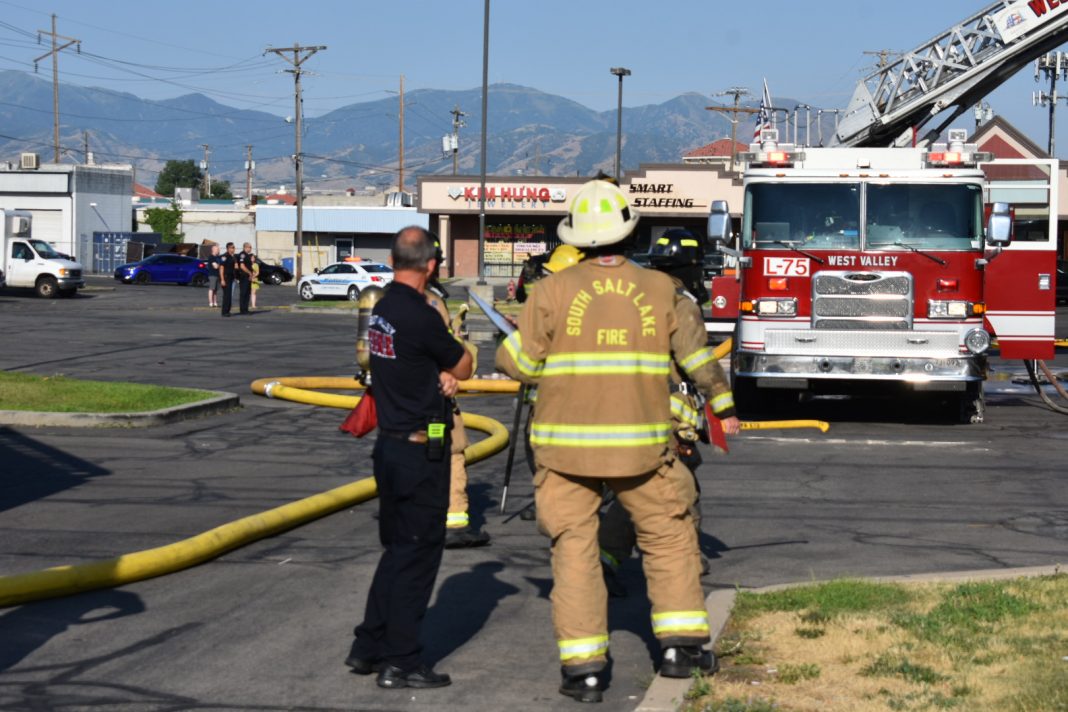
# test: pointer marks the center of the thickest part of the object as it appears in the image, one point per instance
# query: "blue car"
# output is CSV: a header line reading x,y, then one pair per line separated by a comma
x,y
165,268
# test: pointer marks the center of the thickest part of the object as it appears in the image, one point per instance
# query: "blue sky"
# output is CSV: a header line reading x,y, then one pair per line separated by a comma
x,y
810,51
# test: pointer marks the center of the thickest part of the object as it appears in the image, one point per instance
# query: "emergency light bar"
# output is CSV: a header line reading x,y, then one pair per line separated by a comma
x,y
956,152
768,153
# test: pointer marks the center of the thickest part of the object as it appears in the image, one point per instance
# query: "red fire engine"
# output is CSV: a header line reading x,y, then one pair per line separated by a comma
x,y
863,268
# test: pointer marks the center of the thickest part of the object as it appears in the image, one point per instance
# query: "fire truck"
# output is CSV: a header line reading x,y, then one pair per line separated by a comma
x,y
862,269
886,260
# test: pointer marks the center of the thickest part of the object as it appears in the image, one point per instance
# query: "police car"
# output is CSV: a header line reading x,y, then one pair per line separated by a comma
x,y
344,279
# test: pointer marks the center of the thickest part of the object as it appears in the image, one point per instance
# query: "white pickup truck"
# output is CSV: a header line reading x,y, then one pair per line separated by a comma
x,y
34,264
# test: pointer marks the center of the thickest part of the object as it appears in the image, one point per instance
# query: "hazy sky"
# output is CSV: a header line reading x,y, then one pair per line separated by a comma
x,y
810,51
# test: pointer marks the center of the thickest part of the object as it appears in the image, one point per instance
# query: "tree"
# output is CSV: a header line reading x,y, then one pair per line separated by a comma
x,y
220,190
178,174
166,222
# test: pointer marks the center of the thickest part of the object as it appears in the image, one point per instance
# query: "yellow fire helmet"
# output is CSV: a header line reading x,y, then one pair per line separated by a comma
x,y
564,256
599,215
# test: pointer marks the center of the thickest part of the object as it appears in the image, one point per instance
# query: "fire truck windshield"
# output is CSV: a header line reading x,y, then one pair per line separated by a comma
x,y
809,215
932,217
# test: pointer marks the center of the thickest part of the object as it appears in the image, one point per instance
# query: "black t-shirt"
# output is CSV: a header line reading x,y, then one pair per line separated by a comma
x,y
213,264
409,347
243,258
227,261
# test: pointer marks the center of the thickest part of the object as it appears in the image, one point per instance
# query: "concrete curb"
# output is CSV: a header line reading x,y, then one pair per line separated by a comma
x,y
667,694
220,403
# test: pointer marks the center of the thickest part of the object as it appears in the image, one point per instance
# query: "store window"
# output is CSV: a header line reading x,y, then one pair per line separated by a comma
x,y
509,245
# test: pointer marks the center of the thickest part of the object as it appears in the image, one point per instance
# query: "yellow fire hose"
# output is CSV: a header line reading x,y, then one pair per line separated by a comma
x,y
140,565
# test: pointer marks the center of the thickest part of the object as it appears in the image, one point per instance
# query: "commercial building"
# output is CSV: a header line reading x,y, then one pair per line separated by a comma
x,y
69,202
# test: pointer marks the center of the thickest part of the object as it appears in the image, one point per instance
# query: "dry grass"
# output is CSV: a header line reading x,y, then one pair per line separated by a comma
x,y
976,647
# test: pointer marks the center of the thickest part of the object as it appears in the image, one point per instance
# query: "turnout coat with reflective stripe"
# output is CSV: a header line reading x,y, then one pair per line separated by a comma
x,y
597,341
693,355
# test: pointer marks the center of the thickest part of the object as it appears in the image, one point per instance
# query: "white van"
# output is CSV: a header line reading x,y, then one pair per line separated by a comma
x,y
35,264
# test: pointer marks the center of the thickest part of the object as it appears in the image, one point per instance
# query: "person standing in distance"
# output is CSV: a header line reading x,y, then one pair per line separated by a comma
x,y
597,340
415,367
243,271
213,276
227,268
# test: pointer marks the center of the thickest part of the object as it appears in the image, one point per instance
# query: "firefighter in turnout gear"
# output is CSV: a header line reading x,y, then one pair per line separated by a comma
x,y
458,531
540,266
695,377
597,340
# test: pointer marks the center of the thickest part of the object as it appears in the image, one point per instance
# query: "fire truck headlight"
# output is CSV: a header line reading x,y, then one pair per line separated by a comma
x,y
977,341
937,309
776,307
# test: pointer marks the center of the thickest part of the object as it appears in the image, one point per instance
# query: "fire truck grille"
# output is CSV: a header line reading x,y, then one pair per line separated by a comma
x,y
862,300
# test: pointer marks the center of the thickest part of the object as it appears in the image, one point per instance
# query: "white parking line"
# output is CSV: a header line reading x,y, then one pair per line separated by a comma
x,y
844,441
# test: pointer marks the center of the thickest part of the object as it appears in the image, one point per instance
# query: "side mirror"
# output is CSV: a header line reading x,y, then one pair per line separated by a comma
x,y
719,223
999,225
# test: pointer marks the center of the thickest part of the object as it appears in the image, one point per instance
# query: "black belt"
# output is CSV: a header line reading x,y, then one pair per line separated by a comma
x,y
412,436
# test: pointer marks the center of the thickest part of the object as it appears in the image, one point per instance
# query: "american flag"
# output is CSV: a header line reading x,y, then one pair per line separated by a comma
x,y
764,115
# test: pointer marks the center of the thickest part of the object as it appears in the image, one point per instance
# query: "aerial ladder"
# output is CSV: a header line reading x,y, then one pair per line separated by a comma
x,y
953,70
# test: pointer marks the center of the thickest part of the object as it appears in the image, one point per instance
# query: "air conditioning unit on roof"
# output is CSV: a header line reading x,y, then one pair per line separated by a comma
x,y
29,161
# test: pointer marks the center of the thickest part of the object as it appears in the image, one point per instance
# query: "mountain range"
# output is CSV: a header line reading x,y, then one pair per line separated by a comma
x,y
530,132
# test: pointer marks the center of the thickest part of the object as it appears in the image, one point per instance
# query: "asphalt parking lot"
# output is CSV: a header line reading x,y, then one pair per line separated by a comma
x,y
891,489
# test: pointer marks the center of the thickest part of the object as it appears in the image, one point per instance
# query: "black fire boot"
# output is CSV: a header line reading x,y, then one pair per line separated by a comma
x,y
680,661
586,687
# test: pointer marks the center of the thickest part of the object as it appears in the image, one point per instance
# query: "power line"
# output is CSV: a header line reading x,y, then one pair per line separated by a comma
x,y
54,54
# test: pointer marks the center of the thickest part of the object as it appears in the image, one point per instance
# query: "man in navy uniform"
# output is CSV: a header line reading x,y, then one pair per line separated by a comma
x,y
227,268
415,367
243,271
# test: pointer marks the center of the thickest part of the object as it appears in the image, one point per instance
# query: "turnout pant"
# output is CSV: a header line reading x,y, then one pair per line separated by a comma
x,y
457,517
412,496
659,504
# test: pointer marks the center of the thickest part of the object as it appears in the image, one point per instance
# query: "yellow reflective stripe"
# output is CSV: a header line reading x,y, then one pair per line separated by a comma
x,y
583,647
457,519
697,359
663,241
675,621
681,410
567,435
688,243
526,365
599,363
722,402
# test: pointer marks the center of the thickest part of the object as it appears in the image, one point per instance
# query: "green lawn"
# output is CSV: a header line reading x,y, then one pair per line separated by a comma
x,y
59,394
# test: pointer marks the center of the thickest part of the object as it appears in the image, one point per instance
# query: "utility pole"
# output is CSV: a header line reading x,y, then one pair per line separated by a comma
x,y
85,148
300,56
400,160
619,72
883,55
737,93
1054,65
457,124
56,49
250,166
206,167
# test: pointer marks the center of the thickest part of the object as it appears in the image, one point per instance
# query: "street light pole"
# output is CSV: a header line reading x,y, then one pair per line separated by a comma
x,y
619,72
482,172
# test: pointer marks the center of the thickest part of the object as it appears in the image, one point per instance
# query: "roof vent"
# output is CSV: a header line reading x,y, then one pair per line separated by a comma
x,y
29,161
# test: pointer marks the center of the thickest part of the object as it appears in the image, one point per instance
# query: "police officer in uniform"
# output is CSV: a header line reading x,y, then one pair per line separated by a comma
x,y
227,268
597,340
243,272
415,366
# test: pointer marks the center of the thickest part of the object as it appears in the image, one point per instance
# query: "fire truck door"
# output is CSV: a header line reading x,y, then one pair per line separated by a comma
x,y
1019,282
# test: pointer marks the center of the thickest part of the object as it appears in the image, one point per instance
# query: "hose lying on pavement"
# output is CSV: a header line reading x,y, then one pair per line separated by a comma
x,y
141,565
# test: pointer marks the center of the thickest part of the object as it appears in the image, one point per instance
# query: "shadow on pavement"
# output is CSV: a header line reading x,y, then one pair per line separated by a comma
x,y
28,627
33,470
464,603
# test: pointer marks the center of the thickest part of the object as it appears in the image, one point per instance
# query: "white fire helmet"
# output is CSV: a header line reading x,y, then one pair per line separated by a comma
x,y
599,215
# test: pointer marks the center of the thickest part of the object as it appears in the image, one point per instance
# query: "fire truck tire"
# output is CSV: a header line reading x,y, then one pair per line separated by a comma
x,y
972,405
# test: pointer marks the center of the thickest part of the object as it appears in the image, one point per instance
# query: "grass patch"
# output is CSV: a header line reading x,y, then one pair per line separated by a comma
x,y
864,647
59,394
